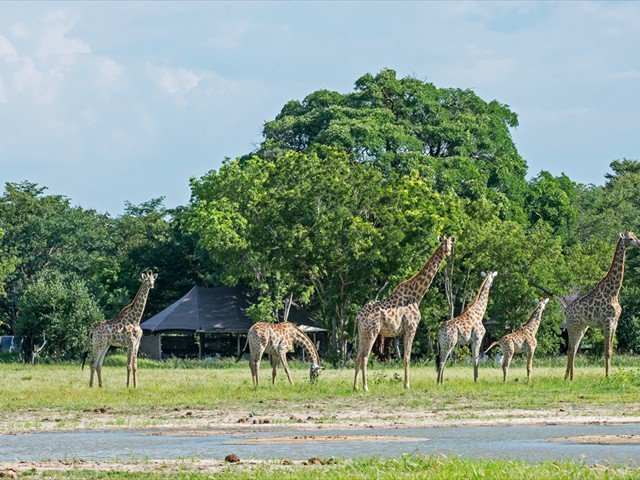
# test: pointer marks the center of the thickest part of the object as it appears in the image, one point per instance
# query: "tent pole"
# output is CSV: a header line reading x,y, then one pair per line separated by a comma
x,y
238,342
201,346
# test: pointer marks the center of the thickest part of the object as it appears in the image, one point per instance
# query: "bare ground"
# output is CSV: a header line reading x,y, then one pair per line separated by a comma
x,y
601,439
306,416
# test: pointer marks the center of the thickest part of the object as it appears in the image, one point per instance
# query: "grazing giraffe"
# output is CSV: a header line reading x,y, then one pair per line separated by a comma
x,y
122,331
276,339
465,328
397,315
522,340
600,308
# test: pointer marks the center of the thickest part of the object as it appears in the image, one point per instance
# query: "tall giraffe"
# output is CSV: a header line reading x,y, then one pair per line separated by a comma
x,y
397,315
600,308
276,339
465,328
122,331
522,340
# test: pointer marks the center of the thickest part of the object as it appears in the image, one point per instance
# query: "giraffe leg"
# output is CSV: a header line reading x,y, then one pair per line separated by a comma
x,y
274,367
575,336
253,372
135,363
445,352
129,363
507,354
99,366
407,342
475,350
95,358
367,340
285,365
253,364
608,348
530,353
447,341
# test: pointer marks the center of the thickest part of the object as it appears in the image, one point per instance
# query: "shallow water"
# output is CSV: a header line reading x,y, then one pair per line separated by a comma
x,y
495,442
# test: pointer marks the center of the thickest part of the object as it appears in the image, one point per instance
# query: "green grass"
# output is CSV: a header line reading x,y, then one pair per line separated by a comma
x,y
197,385
405,467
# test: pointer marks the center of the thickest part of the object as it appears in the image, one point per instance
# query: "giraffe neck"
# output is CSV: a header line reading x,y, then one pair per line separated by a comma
x,y
482,298
307,345
417,285
612,282
139,302
533,323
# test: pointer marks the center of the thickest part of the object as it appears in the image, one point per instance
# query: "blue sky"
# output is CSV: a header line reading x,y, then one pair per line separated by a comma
x,y
108,102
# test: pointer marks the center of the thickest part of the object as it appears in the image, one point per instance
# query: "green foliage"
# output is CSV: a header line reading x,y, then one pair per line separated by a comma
x,y
44,232
7,266
398,123
343,200
60,310
319,226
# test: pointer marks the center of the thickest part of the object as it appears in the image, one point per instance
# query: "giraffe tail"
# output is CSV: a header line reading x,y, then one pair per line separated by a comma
x,y
85,354
438,356
243,350
490,347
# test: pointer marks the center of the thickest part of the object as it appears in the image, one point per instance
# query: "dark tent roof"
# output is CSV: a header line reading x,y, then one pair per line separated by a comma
x,y
221,309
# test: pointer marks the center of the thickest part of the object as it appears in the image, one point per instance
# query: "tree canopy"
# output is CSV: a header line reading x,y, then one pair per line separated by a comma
x,y
343,199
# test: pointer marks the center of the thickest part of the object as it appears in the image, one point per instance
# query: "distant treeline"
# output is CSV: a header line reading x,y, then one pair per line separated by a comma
x,y
344,198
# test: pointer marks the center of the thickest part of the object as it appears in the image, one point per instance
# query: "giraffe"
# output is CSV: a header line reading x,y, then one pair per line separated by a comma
x,y
599,308
122,331
465,328
277,339
397,315
522,340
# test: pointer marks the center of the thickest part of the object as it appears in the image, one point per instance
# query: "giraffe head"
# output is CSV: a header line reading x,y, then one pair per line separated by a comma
x,y
447,244
542,303
629,239
488,280
314,373
149,276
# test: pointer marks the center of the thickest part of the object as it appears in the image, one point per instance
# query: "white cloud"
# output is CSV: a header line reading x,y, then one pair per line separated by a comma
x,y
7,51
18,30
54,43
175,80
109,69
27,76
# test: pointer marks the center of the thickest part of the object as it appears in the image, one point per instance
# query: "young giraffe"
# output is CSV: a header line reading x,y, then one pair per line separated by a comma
x,y
123,331
522,340
276,339
397,315
600,308
465,328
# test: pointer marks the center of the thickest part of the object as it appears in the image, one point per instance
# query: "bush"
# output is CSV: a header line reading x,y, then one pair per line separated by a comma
x,y
60,309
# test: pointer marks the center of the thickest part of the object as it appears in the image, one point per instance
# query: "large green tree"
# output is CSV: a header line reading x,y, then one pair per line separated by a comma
x,y
330,231
45,232
396,123
57,309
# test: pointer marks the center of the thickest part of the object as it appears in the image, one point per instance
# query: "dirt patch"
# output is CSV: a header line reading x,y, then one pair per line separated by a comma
x,y
601,439
322,438
326,416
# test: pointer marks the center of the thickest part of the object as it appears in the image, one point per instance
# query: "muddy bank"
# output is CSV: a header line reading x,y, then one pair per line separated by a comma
x,y
321,417
292,440
602,439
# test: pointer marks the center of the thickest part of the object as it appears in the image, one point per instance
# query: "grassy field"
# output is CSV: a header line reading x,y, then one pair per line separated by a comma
x,y
226,387
191,394
406,467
